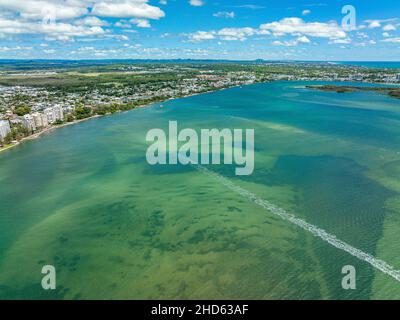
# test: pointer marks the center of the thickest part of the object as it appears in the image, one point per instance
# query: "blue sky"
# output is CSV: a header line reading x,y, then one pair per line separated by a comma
x,y
199,29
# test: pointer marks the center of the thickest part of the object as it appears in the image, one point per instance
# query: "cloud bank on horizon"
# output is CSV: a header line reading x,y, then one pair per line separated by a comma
x,y
197,29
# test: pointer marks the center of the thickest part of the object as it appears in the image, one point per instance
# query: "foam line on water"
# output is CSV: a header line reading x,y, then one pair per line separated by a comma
x,y
314,230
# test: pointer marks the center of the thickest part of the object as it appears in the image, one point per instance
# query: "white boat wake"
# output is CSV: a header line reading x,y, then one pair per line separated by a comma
x,y
314,230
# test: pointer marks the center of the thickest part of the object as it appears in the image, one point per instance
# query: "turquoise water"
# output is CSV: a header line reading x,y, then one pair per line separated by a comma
x,y
84,199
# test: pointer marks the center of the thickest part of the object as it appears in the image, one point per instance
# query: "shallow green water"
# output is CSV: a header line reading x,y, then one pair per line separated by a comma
x,y
84,199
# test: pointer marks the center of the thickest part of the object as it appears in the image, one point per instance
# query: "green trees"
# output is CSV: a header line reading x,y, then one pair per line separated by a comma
x,y
18,132
83,112
106,109
22,110
69,118
8,138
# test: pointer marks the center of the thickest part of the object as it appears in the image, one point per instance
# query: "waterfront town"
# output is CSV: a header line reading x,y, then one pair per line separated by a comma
x,y
35,101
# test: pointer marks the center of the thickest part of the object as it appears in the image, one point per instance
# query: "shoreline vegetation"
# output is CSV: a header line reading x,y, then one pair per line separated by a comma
x,y
391,91
109,110
101,112
66,95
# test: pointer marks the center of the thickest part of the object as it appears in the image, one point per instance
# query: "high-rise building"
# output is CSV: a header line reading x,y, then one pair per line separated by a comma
x,y
40,120
4,128
54,114
51,117
28,122
59,113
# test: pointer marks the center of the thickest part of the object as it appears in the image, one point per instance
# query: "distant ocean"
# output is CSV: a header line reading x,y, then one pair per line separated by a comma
x,y
373,64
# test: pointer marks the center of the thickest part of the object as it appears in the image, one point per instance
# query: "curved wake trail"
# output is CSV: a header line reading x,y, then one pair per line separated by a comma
x,y
314,230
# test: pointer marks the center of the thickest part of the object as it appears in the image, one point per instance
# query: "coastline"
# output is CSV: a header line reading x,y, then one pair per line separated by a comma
x,y
52,128
45,131
9,147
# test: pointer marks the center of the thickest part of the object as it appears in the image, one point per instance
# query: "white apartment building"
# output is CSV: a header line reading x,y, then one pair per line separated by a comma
x,y
59,113
40,120
28,122
51,117
53,114
4,128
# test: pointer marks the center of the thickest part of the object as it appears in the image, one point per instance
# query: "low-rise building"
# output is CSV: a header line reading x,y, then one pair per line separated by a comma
x,y
68,109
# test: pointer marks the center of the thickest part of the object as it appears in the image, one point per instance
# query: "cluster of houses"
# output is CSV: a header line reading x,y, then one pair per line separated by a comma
x,y
48,111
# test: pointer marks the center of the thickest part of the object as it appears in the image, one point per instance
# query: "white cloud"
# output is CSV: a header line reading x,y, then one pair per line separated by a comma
x,y
386,34
227,34
340,41
39,9
306,12
389,27
292,43
202,35
362,35
129,30
224,14
18,48
297,26
54,31
392,40
372,24
91,22
251,6
71,9
127,9
196,3
120,37
123,24
241,34
66,19
288,26
141,23
283,43
303,39
82,49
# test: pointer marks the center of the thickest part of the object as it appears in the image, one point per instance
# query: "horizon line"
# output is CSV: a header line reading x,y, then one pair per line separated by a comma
x,y
189,59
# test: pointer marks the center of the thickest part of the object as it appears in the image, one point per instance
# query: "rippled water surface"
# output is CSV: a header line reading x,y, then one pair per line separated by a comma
x,y
84,199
